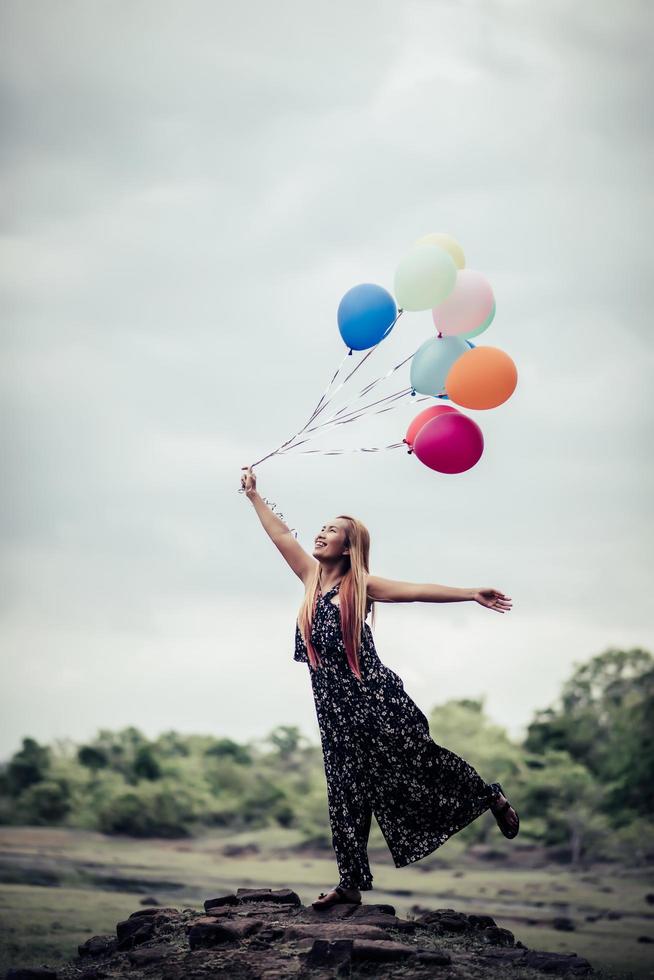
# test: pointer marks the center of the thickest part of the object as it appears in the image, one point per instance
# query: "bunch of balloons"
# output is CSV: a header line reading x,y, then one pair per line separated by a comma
x,y
432,276
447,366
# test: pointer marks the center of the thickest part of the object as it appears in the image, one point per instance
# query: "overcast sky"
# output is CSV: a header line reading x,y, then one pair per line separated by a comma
x,y
188,190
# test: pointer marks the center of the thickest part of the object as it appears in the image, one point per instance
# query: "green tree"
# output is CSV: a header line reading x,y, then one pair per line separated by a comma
x,y
604,721
28,766
145,765
463,727
227,748
560,799
92,758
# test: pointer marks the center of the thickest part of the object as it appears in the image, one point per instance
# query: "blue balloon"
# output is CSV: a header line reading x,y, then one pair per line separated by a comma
x,y
432,361
366,315
470,343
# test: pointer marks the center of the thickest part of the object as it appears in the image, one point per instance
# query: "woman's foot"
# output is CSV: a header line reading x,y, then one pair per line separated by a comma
x,y
506,817
338,896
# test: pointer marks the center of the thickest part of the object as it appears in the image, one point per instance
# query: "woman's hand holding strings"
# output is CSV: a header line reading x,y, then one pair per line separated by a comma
x,y
493,599
248,481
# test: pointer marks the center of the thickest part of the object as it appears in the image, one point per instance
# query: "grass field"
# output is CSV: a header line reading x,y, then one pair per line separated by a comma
x,y
58,887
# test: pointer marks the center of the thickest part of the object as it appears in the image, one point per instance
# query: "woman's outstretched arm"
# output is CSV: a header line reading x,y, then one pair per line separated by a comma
x,y
389,590
299,560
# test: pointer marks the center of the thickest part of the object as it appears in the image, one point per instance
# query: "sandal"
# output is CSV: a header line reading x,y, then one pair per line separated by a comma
x,y
506,829
324,902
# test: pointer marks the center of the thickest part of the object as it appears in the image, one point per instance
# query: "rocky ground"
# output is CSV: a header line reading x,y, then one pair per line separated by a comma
x,y
265,934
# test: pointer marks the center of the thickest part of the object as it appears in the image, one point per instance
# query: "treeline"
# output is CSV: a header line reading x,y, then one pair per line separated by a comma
x,y
582,779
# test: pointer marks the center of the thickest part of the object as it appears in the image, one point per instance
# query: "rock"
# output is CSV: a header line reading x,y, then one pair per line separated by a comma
x,y
340,911
285,896
332,930
337,955
431,916
370,909
268,934
454,922
369,950
482,921
563,924
148,954
216,932
240,850
31,973
645,939
271,933
221,901
649,898
497,937
149,901
159,912
614,915
433,957
97,946
557,962
134,931
504,954
383,921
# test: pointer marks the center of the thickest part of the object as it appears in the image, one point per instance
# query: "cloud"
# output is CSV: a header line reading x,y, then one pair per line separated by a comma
x,y
189,191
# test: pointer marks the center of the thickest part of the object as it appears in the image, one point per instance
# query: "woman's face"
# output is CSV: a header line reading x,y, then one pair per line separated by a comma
x,y
331,541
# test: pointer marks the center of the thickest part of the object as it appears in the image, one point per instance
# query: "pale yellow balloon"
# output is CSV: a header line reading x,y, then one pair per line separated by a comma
x,y
448,243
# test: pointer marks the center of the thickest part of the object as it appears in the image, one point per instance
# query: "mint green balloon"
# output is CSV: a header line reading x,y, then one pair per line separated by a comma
x,y
432,361
424,278
485,325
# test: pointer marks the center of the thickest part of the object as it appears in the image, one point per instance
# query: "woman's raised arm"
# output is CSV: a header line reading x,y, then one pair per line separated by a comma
x,y
388,590
297,558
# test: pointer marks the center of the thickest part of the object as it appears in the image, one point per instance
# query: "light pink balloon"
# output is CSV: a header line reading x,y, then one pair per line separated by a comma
x,y
433,412
468,306
450,443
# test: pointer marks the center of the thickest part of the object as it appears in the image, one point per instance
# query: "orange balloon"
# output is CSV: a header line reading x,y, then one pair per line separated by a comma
x,y
483,377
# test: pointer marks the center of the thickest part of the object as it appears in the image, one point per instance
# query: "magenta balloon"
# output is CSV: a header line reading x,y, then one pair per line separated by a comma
x,y
450,443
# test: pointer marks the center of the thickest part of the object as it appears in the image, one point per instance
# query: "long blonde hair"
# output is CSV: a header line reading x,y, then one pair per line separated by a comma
x,y
354,604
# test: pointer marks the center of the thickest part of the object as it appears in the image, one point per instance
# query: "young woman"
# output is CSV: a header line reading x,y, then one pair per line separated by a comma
x,y
378,754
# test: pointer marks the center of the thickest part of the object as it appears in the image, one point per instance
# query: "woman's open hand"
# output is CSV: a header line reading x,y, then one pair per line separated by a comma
x,y
248,481
493,599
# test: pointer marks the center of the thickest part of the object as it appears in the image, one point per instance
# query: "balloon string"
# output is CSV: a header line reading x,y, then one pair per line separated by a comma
x,y
324,394
354,370
313,415
338,418
322,404
319,430
362,449
368,388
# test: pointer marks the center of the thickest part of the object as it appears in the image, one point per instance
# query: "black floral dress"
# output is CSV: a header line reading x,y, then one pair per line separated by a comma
x,y
380,758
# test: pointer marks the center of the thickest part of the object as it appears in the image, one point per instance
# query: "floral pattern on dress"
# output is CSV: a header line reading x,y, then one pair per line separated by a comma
x,y
380,758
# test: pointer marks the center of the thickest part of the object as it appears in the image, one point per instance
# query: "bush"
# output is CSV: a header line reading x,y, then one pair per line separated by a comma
x,y
148,812
47,802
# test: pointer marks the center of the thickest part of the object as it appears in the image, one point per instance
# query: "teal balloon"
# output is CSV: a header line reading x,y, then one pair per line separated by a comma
x,y
484,326
432,361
